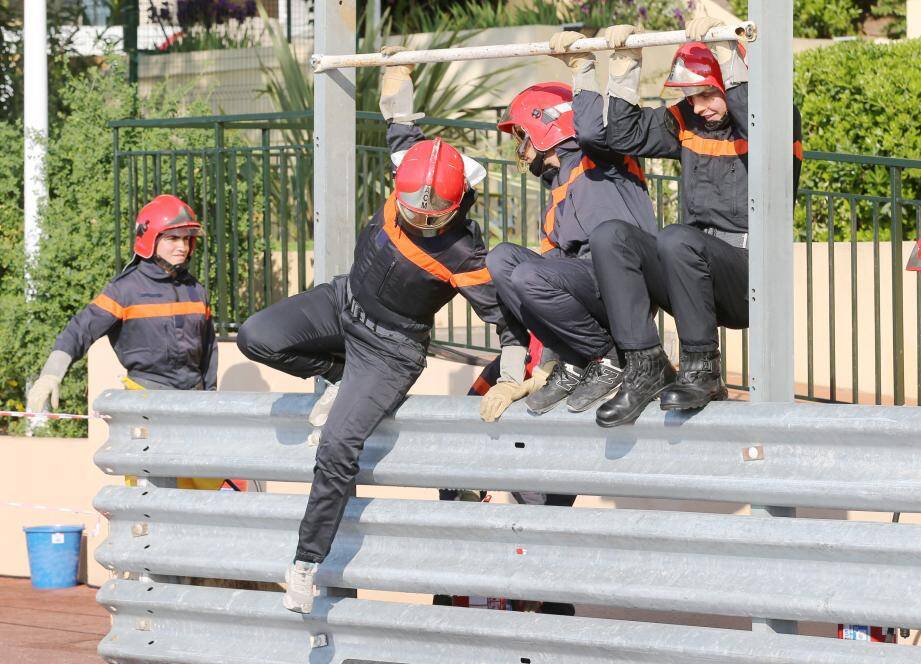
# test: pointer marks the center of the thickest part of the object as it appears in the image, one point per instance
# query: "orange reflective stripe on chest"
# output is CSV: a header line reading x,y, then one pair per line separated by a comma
x,y
158,310
711,147
557,196
411,252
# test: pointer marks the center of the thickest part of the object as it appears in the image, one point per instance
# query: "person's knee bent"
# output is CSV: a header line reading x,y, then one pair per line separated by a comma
x,y
501,260
252,339
525,278
678,240
337,460
610,233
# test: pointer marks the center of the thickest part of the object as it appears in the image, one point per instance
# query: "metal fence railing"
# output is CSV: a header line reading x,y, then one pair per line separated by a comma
x,y
702,568
251,180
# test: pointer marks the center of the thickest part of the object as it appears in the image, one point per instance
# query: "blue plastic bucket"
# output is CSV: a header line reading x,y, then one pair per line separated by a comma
x,y
54,555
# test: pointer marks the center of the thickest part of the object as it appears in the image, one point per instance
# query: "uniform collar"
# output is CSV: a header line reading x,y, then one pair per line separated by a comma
x,y
153,271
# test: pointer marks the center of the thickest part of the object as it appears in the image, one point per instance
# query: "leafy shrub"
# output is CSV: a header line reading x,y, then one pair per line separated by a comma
x,y
861,98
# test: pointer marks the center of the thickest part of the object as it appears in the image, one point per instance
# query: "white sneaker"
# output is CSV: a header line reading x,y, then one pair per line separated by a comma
x,y
324,404
299,594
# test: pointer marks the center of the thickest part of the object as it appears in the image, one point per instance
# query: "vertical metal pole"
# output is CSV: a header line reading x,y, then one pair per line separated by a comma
x,y
898,302
334,144
116,180
220,231
334,157
770,222
131,18
770,192
288,20
35,129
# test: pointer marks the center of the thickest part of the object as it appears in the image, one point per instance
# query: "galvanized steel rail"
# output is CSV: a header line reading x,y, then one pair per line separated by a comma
x,y
657,561
803,455
155,622
772,570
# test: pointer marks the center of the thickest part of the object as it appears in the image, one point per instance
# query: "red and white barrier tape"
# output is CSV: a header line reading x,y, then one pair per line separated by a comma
x,y
53,416
66,510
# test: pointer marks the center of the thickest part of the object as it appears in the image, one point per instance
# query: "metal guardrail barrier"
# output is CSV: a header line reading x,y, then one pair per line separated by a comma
x,y
772,570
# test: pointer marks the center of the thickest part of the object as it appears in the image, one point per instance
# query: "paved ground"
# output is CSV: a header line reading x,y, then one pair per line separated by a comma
x,y
49,626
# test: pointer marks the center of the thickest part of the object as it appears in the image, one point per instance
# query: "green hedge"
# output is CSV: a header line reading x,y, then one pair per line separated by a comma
x,y
861,98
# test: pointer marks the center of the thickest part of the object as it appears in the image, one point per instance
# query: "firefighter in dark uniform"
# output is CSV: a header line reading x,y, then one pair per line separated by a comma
x,y
697,270
155,313
369,330
561,139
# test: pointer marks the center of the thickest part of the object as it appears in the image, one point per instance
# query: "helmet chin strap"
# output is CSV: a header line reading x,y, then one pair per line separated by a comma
x,y
169,268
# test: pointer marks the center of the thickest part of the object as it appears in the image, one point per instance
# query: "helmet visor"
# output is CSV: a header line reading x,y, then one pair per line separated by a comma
x,y
184,231
425,221
522,142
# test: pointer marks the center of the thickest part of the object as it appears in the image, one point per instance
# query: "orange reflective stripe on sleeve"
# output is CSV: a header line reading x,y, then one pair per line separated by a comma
x,y
798,150
556,197
166,309
419,258
109,305
473,278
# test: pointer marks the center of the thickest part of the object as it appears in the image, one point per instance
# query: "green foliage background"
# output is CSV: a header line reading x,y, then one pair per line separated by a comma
x,y
861,98
836,18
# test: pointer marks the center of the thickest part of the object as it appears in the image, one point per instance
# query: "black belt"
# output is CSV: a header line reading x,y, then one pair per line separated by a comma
x,y
361,316
737,240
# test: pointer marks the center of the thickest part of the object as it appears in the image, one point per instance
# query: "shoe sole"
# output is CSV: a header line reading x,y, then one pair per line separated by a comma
x,y
696,405
593,404
545,410
634,414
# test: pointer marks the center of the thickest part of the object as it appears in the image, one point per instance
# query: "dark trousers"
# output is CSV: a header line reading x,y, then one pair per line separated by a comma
x,y
700,279
302,336
556,298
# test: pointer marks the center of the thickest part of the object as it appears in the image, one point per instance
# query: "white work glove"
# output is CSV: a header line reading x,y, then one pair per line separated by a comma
x,y
396,101
625,64
732,66
698,27
582,65
47,387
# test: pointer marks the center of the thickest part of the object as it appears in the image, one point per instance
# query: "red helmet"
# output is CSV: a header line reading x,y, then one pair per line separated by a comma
x,y
914,260
165,213
694,69
430,184
541,113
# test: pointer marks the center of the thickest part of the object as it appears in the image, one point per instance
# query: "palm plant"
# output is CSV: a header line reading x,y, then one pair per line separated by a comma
x,y
439,92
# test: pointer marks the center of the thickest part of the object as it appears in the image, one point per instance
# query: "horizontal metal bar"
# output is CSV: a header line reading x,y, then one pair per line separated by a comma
x,y
658,561
320,63
808,455
196,122
872,160
194,625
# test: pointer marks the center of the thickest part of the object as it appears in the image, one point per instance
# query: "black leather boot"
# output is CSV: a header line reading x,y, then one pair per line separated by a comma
x,y
699,382
648,372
